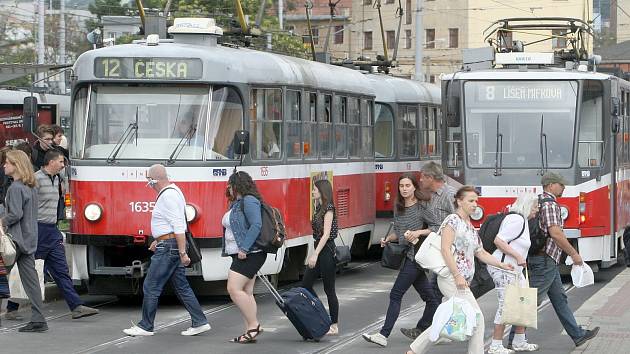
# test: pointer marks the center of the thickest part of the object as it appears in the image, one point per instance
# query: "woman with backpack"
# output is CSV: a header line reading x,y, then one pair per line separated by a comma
x,y
460,244
322,261
242,223
513,242
410,219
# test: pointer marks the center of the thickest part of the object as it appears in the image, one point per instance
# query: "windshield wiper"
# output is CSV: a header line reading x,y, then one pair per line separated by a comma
x,y
131,129
180,146
544,161
498,156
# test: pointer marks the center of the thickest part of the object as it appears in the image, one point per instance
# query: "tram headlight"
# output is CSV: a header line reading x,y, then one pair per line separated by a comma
x,y
477,214
93,212
564,212
191,213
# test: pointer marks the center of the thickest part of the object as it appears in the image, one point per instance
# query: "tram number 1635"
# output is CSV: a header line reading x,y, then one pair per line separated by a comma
x,y
141,207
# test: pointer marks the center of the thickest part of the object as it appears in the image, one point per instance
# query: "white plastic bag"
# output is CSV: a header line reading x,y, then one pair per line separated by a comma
x,y
582,275
15,282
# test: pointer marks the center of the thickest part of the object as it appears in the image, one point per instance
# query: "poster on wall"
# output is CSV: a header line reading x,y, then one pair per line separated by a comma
x,y
316,176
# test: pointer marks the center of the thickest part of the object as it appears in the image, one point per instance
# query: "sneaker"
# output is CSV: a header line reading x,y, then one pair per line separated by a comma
x,y
34,327
83,311
13,316
499,349
376,338
136,331
411,333
193,331
525,347
590,334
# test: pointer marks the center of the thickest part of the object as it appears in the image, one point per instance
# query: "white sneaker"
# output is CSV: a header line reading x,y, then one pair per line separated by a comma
x,y
136,331
524,347
499,349
193,331
376,338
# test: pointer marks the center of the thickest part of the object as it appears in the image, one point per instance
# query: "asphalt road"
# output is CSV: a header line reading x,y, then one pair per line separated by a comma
x,y
363,294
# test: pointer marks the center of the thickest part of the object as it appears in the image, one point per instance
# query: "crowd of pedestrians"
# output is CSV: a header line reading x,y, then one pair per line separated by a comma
x,y
32,187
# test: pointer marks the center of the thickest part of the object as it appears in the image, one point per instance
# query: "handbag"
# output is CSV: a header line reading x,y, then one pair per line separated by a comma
x,y
342,253
194,253
520,305
7,249
429,255
393,255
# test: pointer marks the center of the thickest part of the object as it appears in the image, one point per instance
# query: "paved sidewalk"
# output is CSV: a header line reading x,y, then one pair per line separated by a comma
x,y
609,309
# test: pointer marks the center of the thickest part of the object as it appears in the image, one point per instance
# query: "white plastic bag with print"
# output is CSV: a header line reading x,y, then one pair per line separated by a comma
x,y
582,275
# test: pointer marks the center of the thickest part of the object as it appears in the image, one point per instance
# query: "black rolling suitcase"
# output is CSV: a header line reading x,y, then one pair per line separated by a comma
x,y
305,311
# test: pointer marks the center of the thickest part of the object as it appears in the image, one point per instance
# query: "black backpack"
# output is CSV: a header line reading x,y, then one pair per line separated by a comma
x,y
537,236
490,228
272,231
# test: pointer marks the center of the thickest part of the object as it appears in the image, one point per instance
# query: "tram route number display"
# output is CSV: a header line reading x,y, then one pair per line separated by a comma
x,y
527,92
148,68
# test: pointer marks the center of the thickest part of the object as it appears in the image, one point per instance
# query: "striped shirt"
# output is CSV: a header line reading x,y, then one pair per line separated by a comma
x,y
48,194
412,218
550,215
439,207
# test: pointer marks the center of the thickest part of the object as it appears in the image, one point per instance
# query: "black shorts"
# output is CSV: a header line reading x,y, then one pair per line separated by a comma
x,y
250,265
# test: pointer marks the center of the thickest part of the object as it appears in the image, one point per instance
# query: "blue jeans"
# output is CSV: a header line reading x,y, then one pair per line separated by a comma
x,y
544,275
165,266
411,274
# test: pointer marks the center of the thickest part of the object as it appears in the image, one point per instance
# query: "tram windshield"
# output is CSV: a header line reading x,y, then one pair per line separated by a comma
x,y
520,124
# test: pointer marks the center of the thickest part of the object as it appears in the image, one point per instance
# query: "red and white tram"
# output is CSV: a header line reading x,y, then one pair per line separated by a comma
x,y
180,102
505,126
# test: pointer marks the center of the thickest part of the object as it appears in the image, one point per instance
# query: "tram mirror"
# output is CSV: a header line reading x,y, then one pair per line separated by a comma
x,y
452,111
615,106
29,115
240,143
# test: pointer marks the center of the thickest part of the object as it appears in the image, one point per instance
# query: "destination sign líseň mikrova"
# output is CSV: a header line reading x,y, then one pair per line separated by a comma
x,y
148,68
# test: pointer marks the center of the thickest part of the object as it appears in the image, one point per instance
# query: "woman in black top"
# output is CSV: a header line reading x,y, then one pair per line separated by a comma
x,y
322,261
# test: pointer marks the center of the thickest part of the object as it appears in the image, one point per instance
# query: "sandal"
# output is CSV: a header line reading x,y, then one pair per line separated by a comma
x,y
248,337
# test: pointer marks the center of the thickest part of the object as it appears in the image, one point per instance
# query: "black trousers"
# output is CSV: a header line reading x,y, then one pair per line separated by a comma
x,y
326,266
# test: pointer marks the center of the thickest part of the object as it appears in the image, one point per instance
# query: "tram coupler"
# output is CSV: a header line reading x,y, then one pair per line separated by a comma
x,y
135,270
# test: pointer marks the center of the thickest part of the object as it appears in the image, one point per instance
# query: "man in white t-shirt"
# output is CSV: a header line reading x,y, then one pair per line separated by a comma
x,y
168,226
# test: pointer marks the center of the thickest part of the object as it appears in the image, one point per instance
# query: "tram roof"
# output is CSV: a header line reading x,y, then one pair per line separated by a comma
x,y
531,74
223,64
399,90
17,97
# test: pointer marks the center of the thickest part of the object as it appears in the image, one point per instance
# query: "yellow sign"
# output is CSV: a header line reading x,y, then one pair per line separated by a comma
x,y
316,176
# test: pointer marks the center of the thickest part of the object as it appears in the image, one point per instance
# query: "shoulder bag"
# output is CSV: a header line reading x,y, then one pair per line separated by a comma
x,y
393,253
429,256
7,249
193,251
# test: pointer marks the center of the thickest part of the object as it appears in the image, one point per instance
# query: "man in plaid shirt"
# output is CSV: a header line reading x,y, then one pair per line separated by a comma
x,y
543,267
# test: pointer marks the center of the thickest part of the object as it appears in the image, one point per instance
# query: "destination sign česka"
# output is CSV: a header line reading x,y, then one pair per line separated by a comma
x,y
148,68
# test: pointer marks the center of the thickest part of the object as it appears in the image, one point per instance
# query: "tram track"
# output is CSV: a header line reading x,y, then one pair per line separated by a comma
x,y
186,318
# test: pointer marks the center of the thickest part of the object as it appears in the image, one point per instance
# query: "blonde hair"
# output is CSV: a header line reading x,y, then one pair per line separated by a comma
x,y
23,167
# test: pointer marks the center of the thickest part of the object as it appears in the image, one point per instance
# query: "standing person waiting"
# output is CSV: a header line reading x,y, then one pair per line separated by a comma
x,y
410,217
512,243
242,223
168,227
322,261
457,231
20,219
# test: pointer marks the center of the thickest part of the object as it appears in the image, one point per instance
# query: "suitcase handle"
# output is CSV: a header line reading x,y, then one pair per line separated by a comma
x,y
271,288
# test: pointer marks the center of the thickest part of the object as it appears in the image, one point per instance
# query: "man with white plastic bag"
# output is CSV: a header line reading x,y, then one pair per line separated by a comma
x,y
582,275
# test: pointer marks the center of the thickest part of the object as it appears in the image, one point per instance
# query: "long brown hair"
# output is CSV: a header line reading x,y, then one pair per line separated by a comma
x,y
23,167
461,192
325,191
419,194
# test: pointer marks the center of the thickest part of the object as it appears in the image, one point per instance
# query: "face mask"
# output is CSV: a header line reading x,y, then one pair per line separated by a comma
x,y
152,182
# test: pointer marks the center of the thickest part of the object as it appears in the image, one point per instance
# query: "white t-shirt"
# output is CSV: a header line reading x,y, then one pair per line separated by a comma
x,y
509,230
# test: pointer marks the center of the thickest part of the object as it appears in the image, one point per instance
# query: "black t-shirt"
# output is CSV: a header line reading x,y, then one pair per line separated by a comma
x,y
318,222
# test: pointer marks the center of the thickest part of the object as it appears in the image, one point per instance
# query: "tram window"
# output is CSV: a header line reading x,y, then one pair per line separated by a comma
x,y
226,117
78,135
266,123
591,135
366,128
294,124
325,127
384,128
341,129
429,132
309,127
407,131
167,117
354,128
